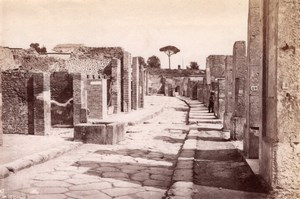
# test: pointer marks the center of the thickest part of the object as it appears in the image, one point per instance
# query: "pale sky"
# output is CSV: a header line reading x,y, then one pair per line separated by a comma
x,y
198,28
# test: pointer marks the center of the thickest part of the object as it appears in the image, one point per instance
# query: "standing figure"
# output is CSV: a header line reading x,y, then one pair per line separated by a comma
x,y
211,103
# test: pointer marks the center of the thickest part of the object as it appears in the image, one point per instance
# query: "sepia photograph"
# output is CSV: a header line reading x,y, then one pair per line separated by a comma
x,y
149,99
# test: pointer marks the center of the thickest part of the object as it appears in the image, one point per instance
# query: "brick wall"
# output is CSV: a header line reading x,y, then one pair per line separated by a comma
x,y
79,98
126,82
61,98
135,83
41,103
96,98
26,102
141,86
17,98
116,85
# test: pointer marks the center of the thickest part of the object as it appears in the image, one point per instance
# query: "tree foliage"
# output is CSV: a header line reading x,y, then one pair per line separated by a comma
x,y
153,62
169,50
36,46
142,61
194,65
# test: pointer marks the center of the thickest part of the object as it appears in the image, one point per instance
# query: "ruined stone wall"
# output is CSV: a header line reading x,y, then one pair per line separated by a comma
x,y
26,102
280,160
87,66
126,82
6,59
17,97
216,64
61,98
170,73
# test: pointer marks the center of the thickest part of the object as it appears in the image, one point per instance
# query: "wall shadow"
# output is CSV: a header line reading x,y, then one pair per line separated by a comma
x,y
225,168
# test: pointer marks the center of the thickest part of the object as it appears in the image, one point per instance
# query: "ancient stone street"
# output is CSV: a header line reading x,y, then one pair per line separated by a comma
x,y
144,164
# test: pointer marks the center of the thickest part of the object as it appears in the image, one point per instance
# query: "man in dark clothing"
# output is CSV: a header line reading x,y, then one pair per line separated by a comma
x,y
211,103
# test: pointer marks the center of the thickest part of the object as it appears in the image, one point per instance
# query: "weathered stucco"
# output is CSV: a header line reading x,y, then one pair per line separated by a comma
x,y
280,160
254,80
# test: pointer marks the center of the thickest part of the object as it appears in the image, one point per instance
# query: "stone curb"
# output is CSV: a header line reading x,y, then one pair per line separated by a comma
x,y
34,159
182,186
146,117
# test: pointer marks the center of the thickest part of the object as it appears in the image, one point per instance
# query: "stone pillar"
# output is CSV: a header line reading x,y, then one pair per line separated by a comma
x,y
280,148
79,98
96,99
141,87
126,78
229,101
254,80
135,83
116,85
216,65
41,111
240,75
1,129
221,99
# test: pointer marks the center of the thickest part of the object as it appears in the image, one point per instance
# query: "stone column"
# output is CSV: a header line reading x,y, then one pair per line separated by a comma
x,y
126,71
135,83
141,87
41,103
221,98
1,129
79,98
240,75
96,99
116,85
280,148
229,101
254,80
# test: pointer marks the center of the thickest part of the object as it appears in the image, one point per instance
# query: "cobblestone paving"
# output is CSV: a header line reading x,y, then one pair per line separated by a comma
x,y
141,166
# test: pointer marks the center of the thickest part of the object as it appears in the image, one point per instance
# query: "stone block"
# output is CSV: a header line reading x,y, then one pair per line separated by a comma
x,y
102,133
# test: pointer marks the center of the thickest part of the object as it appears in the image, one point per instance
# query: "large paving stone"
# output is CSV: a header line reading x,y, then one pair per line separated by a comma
x,y
122,184
157,183
52,184
91,186
115,175
150,195
115,192
140,176
47,196
90,194
161,177
45,190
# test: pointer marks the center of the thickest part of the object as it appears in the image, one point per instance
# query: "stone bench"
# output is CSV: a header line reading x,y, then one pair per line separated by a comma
x,y
100,133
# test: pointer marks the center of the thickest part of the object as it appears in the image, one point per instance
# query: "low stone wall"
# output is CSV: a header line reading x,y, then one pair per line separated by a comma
x,y
109,133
